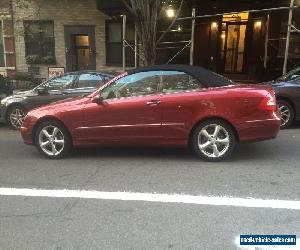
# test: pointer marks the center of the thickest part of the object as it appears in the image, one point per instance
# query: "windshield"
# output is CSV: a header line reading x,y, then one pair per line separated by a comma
x,y
293,74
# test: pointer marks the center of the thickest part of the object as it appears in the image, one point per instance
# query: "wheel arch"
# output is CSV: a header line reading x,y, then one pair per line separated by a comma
x,y
49,118
212,118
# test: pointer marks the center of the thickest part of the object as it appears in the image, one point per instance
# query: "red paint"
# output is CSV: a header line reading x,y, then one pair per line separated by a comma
x,y
162,119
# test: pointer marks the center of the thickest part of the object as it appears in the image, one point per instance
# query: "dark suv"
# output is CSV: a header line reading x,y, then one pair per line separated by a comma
x,y
14,108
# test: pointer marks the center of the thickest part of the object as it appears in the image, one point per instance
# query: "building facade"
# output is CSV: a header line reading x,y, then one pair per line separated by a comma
x,y
59,33
7,51
78,35
247,45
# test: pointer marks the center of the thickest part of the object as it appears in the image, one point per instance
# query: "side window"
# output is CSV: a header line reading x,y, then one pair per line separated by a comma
x,y
90,80
139,84
176,81
60,83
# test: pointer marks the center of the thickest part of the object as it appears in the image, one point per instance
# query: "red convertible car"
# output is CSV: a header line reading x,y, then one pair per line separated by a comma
x,y
166,105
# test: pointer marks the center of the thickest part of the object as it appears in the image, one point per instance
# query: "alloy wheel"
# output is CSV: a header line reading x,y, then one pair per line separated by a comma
x,y
16,117
213,140
285,114
51,140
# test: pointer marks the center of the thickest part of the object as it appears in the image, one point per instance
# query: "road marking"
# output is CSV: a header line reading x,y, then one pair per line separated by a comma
x,y
153,197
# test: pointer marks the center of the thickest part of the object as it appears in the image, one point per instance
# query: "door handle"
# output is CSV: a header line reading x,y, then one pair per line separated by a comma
x,y
153,102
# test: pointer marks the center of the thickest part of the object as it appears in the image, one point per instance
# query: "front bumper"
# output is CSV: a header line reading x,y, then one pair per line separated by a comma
x,y
27,129
26,134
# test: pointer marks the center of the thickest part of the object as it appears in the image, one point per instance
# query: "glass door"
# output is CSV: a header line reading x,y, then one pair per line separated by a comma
x,y
82,51
233,39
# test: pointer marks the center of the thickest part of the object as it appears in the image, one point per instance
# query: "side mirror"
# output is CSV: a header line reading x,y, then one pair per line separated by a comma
x,y
98,99
42,90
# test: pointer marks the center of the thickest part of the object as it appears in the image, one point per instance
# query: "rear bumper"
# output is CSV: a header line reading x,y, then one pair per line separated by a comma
x,y
259,130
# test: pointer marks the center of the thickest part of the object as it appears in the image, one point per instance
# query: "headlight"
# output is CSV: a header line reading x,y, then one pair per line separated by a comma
x,y
4,101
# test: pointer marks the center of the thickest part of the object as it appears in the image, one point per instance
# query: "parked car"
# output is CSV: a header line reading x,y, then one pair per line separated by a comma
x,y
287,89
14,108
5,87
166,105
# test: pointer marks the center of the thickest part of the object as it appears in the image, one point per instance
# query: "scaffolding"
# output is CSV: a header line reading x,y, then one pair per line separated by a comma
x,y
191,42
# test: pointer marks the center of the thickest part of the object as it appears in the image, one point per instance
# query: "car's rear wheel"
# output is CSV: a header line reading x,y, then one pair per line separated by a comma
x,y
213,140
15,116
53,140
286,113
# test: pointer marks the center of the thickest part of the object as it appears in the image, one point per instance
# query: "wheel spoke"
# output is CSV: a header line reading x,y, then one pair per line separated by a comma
x,y
45,143
59,142
45,132
217,130
54,150
205,133
205,145
55,131
223,141
216,152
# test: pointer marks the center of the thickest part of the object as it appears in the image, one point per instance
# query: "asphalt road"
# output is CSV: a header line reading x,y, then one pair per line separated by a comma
x,y
265,170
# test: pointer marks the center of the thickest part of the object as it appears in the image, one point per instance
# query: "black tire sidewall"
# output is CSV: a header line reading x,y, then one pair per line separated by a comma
x,y
9,111
232,140
292,113
67,139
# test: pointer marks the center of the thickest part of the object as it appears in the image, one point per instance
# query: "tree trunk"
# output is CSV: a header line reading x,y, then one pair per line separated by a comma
x,y
146,15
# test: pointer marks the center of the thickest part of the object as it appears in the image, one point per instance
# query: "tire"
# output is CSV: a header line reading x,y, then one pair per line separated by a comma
x,y
286,112
53,140
216,138
15,116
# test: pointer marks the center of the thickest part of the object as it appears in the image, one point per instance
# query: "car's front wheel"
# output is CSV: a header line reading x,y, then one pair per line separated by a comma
x,y
15,116
286,113
53,140
213,140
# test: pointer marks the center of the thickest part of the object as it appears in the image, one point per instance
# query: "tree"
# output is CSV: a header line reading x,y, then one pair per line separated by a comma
x,y
146,15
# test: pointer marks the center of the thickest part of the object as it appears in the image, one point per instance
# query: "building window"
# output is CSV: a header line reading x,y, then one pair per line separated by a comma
x,y
114,54
2,61
39,39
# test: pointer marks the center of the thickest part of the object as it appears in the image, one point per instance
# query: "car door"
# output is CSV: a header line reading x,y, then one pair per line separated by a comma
x,y
54,91
130,111
179,102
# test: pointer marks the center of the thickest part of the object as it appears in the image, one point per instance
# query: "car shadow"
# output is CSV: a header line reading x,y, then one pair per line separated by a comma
x,y
295,125
243,152
134,152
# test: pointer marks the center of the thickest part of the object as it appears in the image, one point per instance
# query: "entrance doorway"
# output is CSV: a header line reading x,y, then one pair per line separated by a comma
x,y
82,51
234,48
80,48
233,42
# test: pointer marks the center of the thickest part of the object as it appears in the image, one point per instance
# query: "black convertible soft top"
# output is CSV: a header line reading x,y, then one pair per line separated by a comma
x,y
206,77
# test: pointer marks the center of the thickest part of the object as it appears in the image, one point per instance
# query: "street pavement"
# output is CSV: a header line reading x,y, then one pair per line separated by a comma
x,y
267,170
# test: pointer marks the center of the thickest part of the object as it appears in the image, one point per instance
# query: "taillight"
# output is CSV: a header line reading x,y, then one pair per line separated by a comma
x,y
268,102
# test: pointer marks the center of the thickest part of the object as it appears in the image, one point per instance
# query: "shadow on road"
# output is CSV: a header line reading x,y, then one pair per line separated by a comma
x,y
243,152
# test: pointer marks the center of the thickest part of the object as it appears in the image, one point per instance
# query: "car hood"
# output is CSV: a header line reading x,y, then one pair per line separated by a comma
x,y
22,94
62,105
